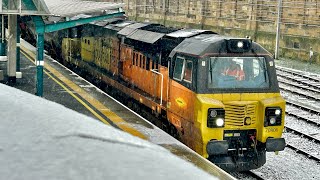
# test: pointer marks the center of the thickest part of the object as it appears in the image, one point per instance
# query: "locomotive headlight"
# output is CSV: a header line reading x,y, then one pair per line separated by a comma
x,y
277,112
240,44
220,122
273,116
272,120
215,118
213,113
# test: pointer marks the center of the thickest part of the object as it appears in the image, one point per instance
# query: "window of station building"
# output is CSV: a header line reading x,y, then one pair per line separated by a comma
x,y
88,42
178,68
188,71
296,45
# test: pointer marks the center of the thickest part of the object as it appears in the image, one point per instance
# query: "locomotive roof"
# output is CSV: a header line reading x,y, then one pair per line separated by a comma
x,y
209,43
131,28
188,33
151,33
145,36
193,41
197,45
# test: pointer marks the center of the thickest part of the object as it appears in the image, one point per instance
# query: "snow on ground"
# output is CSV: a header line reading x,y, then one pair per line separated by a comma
x,y
40,139
288,164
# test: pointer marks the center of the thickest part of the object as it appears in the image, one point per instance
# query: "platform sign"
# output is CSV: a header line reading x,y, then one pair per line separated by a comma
x,y
20,7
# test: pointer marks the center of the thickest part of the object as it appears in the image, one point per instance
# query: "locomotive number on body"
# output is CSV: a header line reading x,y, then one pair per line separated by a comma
x,y
270,129
176,122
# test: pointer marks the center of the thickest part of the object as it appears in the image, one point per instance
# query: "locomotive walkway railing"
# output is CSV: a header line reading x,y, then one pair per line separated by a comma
x,y
161,92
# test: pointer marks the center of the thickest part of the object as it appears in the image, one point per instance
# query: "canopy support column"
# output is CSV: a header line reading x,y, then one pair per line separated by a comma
x,y
12,47
3,40
18,47
40,54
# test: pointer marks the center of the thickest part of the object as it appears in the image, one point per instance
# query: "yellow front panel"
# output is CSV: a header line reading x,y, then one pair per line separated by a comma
x,y
239,106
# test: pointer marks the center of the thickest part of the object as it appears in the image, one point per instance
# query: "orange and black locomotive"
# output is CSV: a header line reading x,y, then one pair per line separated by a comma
x,y
219,94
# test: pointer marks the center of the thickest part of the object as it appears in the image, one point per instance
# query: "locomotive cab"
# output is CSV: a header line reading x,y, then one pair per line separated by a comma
x,y
236,105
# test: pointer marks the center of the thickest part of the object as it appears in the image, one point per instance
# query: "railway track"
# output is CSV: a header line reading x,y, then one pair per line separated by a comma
x,y
301,92
307,115
248,175
300,150
299,79
296,73
298,84
254,175
311,88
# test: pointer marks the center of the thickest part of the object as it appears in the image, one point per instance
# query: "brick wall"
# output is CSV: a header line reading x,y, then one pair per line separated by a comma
x,y
300,20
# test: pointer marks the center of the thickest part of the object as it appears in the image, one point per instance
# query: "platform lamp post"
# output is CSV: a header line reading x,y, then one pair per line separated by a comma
x,y
3,38
278,29
40,26
12,45
40,63
3,54
40,30
18,73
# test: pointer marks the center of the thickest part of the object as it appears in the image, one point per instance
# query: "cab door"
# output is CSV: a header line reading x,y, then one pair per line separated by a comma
x,y
182,95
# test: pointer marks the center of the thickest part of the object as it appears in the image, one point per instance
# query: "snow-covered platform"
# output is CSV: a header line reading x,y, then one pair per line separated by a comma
x,y
40,139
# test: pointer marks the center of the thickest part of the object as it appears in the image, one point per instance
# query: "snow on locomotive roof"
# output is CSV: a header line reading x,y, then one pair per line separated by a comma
x,y
217,40
188,33
119,25
208,43
124,24
106,21
41,139
131,28
196,45
145,36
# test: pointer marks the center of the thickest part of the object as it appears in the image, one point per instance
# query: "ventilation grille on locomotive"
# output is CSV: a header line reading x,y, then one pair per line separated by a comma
x,y
236,114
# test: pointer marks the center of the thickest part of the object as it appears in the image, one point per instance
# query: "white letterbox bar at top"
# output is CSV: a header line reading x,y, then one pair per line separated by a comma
x,y
40,63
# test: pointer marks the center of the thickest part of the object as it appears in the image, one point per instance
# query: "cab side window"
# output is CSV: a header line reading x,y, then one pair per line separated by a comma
x,y
188,71
178,69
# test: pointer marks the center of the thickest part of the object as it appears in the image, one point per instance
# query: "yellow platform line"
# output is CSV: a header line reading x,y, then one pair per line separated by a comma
x,y
98,105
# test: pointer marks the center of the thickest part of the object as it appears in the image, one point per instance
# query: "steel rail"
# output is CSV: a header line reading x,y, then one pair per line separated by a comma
x,y
303,135
300,94
309,156
297,150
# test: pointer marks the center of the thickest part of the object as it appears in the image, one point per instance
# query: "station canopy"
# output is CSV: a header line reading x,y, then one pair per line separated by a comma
x,y
61,8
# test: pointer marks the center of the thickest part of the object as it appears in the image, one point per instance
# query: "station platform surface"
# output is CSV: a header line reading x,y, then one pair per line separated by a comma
x,y
41,139
67,88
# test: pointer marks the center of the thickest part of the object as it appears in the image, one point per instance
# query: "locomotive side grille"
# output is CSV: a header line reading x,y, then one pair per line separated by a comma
x,y
235,114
